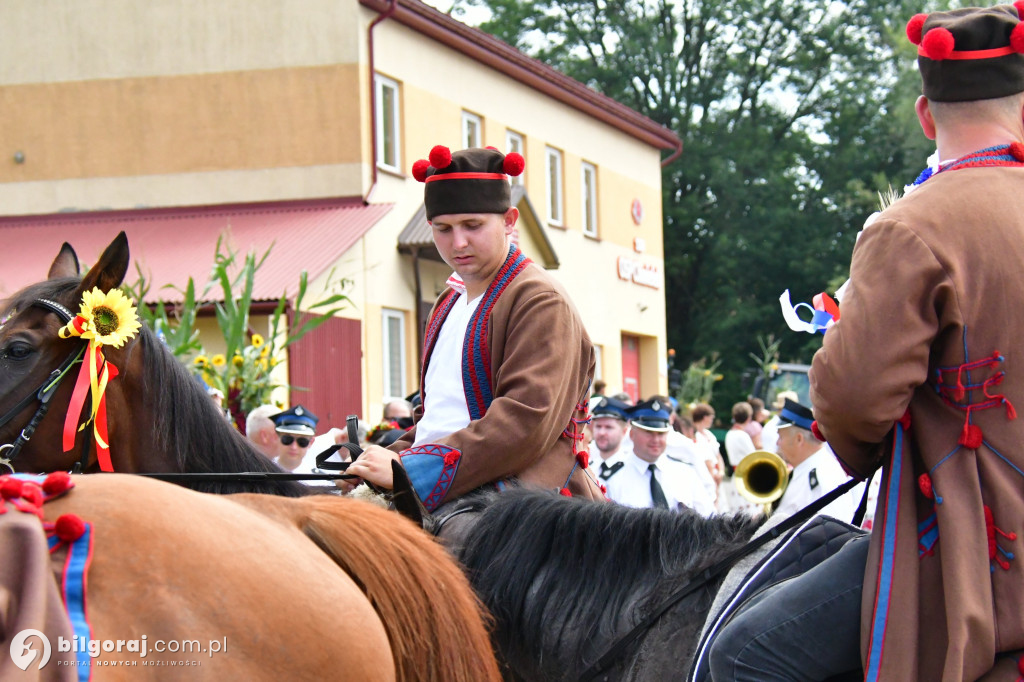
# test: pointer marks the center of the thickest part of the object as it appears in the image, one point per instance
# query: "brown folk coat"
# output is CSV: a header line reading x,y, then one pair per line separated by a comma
x,y
542,363
937,282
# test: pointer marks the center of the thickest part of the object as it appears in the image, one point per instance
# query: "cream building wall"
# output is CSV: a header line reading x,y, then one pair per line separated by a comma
x,y
627,169
174,102
122,104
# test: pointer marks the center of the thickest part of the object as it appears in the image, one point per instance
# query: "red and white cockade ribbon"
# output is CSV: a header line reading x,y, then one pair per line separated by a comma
x,y
824,313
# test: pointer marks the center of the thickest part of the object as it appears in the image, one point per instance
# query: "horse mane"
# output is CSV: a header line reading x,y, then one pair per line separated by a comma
x,y
436,625
186,423
564,576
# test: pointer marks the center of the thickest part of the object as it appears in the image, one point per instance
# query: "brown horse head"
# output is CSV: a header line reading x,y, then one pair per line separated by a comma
x,y
159,418
31,350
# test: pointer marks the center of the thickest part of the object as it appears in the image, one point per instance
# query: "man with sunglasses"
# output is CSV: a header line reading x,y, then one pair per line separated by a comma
x,y
295,429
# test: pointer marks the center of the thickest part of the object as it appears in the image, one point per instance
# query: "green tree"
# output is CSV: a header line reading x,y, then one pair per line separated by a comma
x,y
794,114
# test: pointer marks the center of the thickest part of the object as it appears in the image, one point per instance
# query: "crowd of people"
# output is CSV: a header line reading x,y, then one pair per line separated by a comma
x,y
651,454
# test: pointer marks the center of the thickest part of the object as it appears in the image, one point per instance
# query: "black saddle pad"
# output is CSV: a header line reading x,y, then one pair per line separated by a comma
x,y
799,550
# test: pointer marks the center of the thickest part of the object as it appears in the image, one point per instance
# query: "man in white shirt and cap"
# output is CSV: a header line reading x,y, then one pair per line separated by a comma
x,y
648,478
609,425
770,432
816,471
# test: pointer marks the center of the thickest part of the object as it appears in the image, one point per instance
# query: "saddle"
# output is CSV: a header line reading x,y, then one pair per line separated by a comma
x,y
794,553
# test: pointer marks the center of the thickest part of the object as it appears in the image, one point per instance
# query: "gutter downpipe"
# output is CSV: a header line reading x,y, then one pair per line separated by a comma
x,y
419,307
672,157
392,6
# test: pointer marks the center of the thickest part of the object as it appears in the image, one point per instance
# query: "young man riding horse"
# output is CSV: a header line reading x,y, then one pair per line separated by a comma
x,y
507,361
920,377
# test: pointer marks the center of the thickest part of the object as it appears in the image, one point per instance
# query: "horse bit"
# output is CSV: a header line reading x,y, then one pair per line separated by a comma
x,y
43,394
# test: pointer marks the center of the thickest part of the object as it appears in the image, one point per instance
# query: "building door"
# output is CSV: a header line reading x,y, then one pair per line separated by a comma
x,y
328,362
631,366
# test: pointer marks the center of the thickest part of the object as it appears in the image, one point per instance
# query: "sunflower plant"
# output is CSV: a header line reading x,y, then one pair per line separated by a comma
x,y
698,381
244,372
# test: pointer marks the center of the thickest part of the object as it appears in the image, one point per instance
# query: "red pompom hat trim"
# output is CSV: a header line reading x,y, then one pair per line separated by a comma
x,y
937,44
419,170
514,164
1017,37
440,157
914,28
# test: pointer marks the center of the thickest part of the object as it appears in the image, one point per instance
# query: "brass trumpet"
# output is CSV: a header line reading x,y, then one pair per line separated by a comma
x,y
761,477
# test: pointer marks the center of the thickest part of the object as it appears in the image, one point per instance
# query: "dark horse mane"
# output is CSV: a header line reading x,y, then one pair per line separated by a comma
x,y
186,423
564,577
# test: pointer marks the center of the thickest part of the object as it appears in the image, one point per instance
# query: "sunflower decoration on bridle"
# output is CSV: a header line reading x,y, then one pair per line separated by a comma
x,y
104,319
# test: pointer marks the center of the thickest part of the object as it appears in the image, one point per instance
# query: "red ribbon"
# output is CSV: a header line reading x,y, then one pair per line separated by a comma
x,y
94,354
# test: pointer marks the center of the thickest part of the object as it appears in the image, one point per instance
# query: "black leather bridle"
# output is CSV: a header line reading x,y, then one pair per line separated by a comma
x,y
42,394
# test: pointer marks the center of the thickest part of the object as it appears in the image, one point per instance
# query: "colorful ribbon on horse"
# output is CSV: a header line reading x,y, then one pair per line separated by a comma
x,y
95,374
824,313
105,319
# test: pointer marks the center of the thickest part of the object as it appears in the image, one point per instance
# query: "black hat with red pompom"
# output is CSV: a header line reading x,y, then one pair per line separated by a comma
x,y
468,181
970,54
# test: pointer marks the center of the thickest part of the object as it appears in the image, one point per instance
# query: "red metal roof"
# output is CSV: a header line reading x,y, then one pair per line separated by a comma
x,y
172,244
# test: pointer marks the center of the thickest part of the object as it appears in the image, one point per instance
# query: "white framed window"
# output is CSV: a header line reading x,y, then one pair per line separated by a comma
x,y
514,143
394,353
388,124
599,361
556,211
472,130
589,193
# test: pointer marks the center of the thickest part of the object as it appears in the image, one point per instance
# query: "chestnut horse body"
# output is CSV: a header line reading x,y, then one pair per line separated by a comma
x,y
319,587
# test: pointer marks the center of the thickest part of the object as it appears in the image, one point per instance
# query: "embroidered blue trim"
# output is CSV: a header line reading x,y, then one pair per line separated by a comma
x,y
431,468
886,571
73,585
476,369
927,534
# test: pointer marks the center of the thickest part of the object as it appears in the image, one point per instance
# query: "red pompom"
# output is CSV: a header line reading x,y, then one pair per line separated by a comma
x,y
32,494
514,164
1017,36
971,436
565,492
938,44
924,483
493,149
1017,148
914,28
451,458
57,483
11,488
816,432
440,157
1019,6
419,170
69,527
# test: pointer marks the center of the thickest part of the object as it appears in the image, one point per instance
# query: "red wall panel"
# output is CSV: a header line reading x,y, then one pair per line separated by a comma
x,y
328,362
